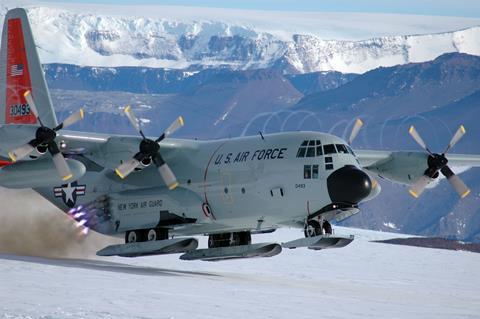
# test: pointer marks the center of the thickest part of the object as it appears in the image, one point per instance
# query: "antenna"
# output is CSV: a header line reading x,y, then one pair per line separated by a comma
x,y
261,135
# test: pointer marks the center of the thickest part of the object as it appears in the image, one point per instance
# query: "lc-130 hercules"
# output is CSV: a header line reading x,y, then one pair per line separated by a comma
x,y
157,192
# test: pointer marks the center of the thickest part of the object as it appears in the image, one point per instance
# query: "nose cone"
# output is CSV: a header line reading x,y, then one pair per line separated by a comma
x,y
348,185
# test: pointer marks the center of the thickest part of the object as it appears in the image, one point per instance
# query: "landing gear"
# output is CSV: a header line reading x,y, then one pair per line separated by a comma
x,y
133,236
140,235
313,228
157,234
229,239
327,228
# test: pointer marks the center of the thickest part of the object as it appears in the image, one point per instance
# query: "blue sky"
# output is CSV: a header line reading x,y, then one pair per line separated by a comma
x,y
461,8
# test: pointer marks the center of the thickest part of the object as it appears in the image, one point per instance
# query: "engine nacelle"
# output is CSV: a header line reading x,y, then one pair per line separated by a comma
x,y
401,167
39,173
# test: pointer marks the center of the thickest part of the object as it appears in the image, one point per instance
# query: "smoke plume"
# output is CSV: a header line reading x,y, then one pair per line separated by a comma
x,y
30,225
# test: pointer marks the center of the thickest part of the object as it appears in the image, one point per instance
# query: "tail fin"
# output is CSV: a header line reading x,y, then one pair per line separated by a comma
x,y
20,71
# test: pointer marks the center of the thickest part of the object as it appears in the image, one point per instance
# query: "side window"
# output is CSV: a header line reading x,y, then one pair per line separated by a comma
x,y
310,171
329,149
307,172
315,171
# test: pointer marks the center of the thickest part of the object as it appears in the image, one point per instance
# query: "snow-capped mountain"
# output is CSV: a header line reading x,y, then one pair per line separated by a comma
x,y
75,36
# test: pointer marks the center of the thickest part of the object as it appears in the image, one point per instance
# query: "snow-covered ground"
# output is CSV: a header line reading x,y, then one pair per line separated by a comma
x,y
362,280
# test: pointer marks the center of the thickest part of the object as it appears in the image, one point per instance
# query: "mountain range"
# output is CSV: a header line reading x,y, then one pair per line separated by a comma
x,y
80,36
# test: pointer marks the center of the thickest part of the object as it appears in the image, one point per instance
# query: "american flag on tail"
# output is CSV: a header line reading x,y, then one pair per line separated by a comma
x,y
16,70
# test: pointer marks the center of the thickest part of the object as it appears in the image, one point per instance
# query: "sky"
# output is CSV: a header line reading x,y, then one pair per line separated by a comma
x,y
460,8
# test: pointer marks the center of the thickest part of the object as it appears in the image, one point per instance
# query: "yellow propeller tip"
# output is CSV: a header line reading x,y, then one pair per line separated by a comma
x,y
173,186
127,109
411,129
360,122
117,171
180,119
413,193
12,156
67,177
27,92
465,194
82,113
462,128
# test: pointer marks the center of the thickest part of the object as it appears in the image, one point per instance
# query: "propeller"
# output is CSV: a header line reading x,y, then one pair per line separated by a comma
x,y
150,150
355,130
438,163
45,136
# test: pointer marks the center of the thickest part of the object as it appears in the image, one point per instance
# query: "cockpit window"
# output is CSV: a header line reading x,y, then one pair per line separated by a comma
x,y
311,151
301,152
310,148
329,149
342,148
350,150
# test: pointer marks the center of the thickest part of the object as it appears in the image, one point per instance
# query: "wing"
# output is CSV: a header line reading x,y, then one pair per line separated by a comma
x,y
407,167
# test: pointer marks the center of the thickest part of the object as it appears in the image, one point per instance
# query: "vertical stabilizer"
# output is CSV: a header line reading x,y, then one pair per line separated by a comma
x,y
20,71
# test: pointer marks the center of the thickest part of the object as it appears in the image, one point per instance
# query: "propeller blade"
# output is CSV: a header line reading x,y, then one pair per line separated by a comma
x,y
127,167
418,188
72,119
165,171
458,135
356,128
31,103
413,132
178,123
62,166
456,182
21,152
168,176
132,118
